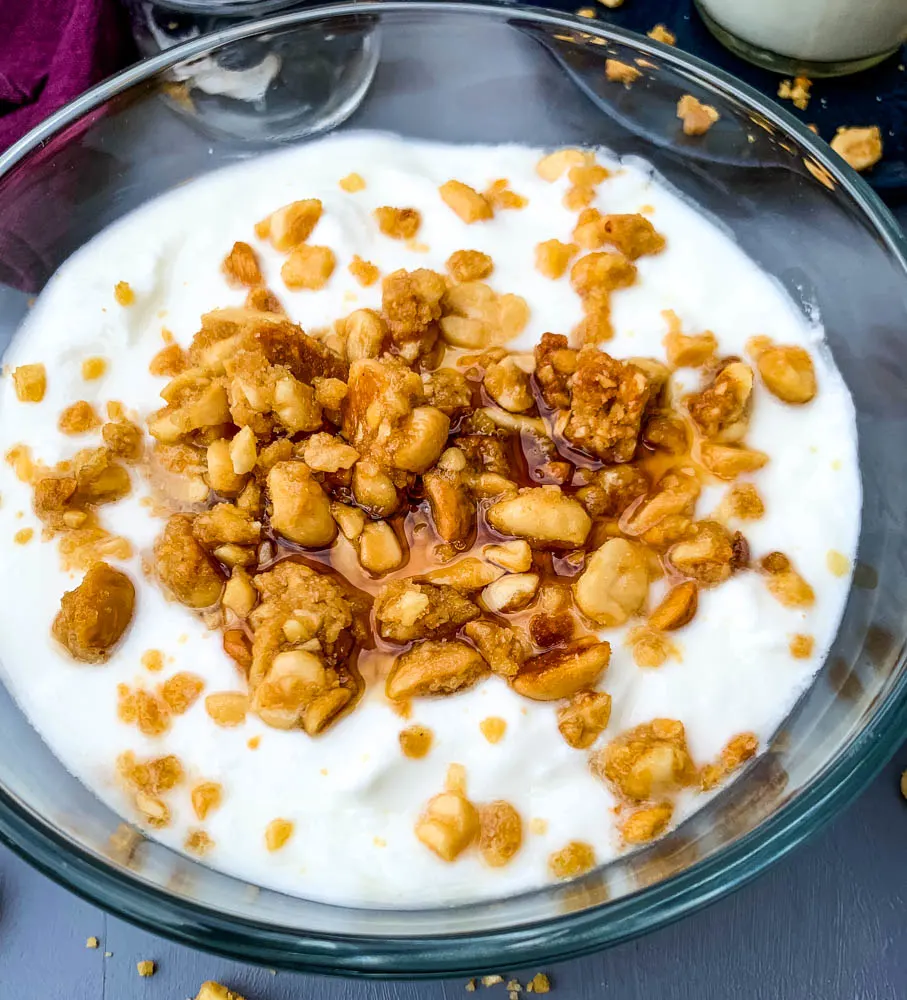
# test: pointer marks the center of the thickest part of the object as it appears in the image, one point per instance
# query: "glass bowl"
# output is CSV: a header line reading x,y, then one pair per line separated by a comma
x,y
480,73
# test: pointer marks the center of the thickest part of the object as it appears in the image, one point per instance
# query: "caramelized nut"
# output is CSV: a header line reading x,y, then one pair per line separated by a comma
x,y
784,583
561,673
552,258
697,117
510,593
575,859
706,556
508,386
301,510
677,608
222,477
614,584
514,557
728,462
468,575
449,825
647,761
469,265
585,718
722,408
432,668
227,708
500,646
30,382
94,616
398,223
292,225
308,267
543,515
465,201
416,741
500,833
646,824
379,548
788,373
690,351
184,567
206,796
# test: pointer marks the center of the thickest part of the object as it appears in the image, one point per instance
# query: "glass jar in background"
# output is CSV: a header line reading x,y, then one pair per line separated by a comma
x,y
812,38
283,85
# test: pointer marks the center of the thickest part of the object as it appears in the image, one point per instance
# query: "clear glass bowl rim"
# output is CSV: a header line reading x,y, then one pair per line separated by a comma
x,y
553,939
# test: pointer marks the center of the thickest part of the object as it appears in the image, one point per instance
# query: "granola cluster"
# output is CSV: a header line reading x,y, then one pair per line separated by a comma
x,y
403,488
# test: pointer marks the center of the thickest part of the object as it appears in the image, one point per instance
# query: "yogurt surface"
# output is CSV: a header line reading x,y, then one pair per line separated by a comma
x,y
351,794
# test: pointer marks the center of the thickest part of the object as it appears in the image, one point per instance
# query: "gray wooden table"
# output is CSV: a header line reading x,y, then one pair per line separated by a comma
x,y
827,923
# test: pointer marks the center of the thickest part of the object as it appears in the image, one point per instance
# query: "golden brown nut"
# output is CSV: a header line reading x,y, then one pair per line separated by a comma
x,y
614,584
300,509
788,373
729,461
677,608
500,833
398,223
646,824
553,257
647,761
555,362
784,582
722,409
241,265
469,265
697,117
406,610
449,825
706,555
434,668
184,567
544,515
585,718
93,617
465,201
501,647
453,510
576,858
612,490
291,225
466,575
690,350
30,382
508,386
561,673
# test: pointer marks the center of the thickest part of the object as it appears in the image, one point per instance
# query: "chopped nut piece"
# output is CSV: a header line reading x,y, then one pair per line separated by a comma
x,y
544,515
553,166
30,382
801,646
510,593
308,267
493,728
585,718
93,368
206,797
613,490
79,418
277,833
697,117
214,991
364,271
449,825
416,741
615,583
227,708
553,257
406,610
411,302
706,555
226,524
154,777
677,608
788,373
466,575
352,183
742,501
379,548
500,833
146,968
561,673
540,983
92,942
596,274
94,616
647,761
301,511
646,824
738,750
488,981
155,811
465,201
432,668
661,34
241,265
448,391
123,439
470,986
184,567
398,223
796,92
721,410
785,583
633,235
501,647
291,225
730,461
469,265
508,385
198,842
326,453
181,691
690,350
575,859
860,147
515,557
169,361
123,293
621,72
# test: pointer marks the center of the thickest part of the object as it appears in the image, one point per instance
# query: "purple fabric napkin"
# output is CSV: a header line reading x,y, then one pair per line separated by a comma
x,y
51,51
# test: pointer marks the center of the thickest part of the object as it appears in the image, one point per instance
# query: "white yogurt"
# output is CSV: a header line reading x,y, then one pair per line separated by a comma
x,y
815,30
352,795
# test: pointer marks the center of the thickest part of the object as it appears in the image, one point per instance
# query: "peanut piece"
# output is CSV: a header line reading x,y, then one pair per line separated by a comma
x,y
500,833
614,584
677,608
514,557
788,373
543,515
449,825
561,673
301,511
584,719
510,593
432,668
